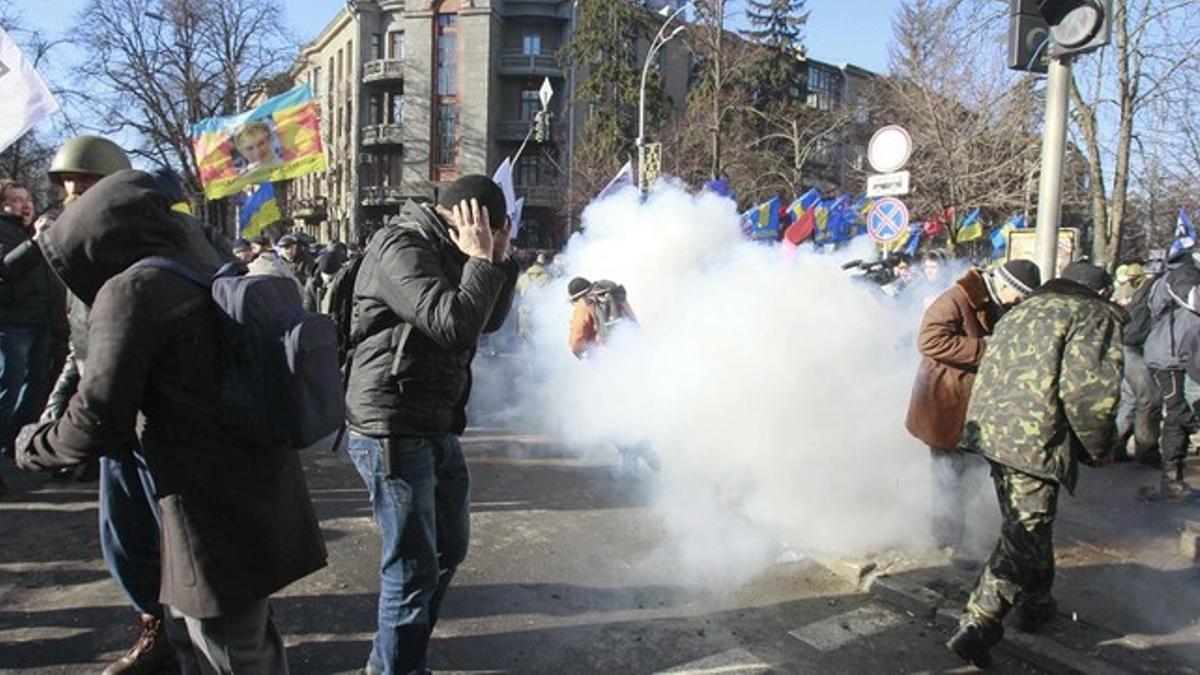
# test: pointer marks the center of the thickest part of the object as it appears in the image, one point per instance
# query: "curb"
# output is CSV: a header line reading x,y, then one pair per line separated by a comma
x,y
928,604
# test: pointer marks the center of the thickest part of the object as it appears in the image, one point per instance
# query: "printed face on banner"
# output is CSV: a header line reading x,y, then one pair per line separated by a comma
x,y
278,140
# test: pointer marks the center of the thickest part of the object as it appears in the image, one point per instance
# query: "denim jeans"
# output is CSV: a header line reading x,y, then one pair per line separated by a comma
x,y
129,530
422,510
24,377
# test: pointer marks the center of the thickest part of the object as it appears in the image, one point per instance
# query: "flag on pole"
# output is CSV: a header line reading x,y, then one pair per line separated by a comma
x,y
803,204
504,178
971,228
762,221
622,180
24,99
1185,234
1000,234
258,211
278,140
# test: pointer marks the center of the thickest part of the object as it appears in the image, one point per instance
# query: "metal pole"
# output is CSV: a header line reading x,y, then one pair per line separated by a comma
x,y
659,40
1054,138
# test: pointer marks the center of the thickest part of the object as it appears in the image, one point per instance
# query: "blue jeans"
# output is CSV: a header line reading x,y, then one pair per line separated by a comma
x,y
24,380
129,530
422,510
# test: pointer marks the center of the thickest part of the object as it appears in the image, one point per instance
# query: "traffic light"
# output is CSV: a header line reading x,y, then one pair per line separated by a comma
x,y
540,122
1052,28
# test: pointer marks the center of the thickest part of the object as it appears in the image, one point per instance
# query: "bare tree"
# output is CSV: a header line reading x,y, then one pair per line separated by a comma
x,y
1155,46
159,66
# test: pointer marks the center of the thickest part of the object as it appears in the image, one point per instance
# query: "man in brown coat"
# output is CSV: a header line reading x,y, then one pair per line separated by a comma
x,y
951,342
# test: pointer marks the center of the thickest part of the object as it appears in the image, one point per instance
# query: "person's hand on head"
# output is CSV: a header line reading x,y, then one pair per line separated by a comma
x,y
500,240
472,233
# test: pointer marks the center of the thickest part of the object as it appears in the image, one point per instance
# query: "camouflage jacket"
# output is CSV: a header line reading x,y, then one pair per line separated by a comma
x,y
1047,390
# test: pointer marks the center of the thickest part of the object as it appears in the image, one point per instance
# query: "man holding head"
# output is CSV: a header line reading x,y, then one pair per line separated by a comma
x,y
430,284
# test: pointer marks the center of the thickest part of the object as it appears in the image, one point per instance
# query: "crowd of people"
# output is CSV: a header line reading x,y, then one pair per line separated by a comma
x,y
115,365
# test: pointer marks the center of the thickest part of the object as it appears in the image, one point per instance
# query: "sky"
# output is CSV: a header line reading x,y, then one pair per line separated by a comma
x,y
839,31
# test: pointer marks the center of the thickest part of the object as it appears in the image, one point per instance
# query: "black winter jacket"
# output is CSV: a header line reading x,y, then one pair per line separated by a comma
x,y
26,293
420,307
237,523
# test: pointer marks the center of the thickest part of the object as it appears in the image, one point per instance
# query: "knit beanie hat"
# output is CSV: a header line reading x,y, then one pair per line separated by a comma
x,y
1096,278
240,244
328,263
578,287
1022,275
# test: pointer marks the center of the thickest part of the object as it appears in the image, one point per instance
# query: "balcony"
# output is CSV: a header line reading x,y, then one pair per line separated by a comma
x,y
516,62
381,195
515,130
543,9
310,210
383,70
382,135
542,195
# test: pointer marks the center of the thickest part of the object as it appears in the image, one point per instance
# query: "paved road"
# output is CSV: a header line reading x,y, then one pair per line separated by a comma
x,y
566,575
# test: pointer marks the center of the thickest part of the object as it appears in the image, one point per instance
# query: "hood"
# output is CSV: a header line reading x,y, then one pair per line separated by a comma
x,y
1077,290
120,220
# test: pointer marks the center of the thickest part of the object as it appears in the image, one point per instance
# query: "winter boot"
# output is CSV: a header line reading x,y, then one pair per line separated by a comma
x,y
974,639
1172,487
1033,615
150,654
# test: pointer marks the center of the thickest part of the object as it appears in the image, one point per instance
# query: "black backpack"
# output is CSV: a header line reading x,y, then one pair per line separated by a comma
x,y
607,300
338,304
1141,318
280,385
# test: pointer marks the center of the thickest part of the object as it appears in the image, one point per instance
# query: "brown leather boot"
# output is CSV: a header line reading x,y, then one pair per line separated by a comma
x,y
150,654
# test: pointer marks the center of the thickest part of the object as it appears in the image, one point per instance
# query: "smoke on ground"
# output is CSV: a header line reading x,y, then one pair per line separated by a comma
x,y
772,385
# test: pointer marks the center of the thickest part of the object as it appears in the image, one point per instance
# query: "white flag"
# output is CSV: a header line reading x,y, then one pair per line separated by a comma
x,y
623,179
24,99
504,178
516,217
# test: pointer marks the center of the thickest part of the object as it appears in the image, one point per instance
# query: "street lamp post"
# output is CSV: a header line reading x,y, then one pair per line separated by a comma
x,y
656,44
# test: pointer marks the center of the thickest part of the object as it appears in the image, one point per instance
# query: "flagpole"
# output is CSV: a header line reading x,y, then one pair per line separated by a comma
x,y
1054,138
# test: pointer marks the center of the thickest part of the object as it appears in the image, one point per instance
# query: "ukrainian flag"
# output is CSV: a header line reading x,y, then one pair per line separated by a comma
x,y
259,210
762,221
971,228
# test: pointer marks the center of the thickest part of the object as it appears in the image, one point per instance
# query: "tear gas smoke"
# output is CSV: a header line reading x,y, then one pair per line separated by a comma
x,y
773,387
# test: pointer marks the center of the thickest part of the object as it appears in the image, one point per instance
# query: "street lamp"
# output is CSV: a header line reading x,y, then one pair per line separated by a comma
x,y
662,38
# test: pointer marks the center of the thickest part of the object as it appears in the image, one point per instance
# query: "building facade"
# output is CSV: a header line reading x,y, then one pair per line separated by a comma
x,y
415,93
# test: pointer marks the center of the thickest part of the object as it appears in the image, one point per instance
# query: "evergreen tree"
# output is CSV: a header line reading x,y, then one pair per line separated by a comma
x,y
778,26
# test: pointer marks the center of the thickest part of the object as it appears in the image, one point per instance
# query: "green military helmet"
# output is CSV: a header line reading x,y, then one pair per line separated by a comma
x,y
88,155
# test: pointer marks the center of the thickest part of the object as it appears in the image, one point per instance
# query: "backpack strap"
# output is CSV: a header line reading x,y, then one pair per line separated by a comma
x,y
176,267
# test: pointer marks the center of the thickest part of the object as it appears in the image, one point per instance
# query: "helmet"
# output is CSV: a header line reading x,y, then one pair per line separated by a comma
x,y
88,154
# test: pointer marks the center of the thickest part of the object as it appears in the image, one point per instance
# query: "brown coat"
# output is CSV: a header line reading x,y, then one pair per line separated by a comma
x,y
951,345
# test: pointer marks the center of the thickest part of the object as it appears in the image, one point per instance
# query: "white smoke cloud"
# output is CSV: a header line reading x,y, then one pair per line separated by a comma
x,y
773,387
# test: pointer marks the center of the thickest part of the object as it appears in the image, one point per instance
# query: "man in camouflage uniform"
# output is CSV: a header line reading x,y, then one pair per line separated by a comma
x,y
1045,399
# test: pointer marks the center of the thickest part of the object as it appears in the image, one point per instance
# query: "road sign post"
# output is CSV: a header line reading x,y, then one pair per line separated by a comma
x,y
888,220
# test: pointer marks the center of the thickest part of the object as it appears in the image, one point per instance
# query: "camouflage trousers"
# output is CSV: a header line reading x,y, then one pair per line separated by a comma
x,y
1020,570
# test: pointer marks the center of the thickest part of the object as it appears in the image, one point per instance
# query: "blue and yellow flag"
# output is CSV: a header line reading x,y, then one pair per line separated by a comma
x,y
258,211
971,228
762,221
1000,234
803,204
278,140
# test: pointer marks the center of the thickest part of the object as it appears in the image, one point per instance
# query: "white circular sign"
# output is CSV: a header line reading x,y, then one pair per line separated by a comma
x,y
889,149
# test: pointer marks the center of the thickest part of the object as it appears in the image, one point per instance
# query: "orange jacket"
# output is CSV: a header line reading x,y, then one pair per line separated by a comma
x,y
583,328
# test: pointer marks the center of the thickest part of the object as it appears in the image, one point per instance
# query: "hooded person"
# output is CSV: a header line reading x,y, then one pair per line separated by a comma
x,y
1045,400
236,521
328,264
951,343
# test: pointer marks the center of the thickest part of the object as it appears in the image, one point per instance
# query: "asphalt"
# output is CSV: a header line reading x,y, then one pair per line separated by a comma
x,y
567,574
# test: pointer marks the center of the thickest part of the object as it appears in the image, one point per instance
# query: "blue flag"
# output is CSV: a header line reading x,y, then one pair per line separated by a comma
x,y
258,211
1185,234
1000,234
762,221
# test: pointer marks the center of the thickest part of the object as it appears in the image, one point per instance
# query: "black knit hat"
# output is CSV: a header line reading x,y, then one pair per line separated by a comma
x,y
1022,275
1096,278
477,186
328,263
578,287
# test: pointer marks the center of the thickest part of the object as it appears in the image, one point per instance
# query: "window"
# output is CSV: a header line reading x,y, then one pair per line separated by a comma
x,y
394,167
376,45
531,45
396,44
446,129
375,109
316,82
530,104
396,107
447,55
528,171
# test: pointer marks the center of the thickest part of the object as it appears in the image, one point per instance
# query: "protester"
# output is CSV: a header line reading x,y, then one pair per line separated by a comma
x,y
1170,352
328,264
429,284
297,258
243,251
236,519
952,344
261,244
1045,399
1138,416
15,201
270,263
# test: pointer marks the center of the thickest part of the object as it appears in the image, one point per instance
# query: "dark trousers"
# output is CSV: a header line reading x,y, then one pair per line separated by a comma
x,y
24,377
129,533
421,502
1178,423
1020,570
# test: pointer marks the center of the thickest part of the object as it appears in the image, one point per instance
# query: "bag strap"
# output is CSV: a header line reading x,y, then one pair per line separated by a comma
x,y
174,266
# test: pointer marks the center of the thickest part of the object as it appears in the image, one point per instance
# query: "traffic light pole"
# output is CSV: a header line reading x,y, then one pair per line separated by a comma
x,y
1054,144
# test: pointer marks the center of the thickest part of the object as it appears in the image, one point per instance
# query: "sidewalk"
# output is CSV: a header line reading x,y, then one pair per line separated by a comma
x,y
1128,593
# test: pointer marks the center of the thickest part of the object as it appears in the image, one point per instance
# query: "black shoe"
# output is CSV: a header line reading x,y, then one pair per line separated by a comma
x,y
973,640
1031,617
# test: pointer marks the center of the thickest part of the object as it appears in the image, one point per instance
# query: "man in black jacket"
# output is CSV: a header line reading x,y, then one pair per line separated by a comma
x,y
236,521
430,283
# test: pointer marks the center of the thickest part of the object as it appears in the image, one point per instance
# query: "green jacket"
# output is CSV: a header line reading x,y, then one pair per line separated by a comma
x,y
1047,390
